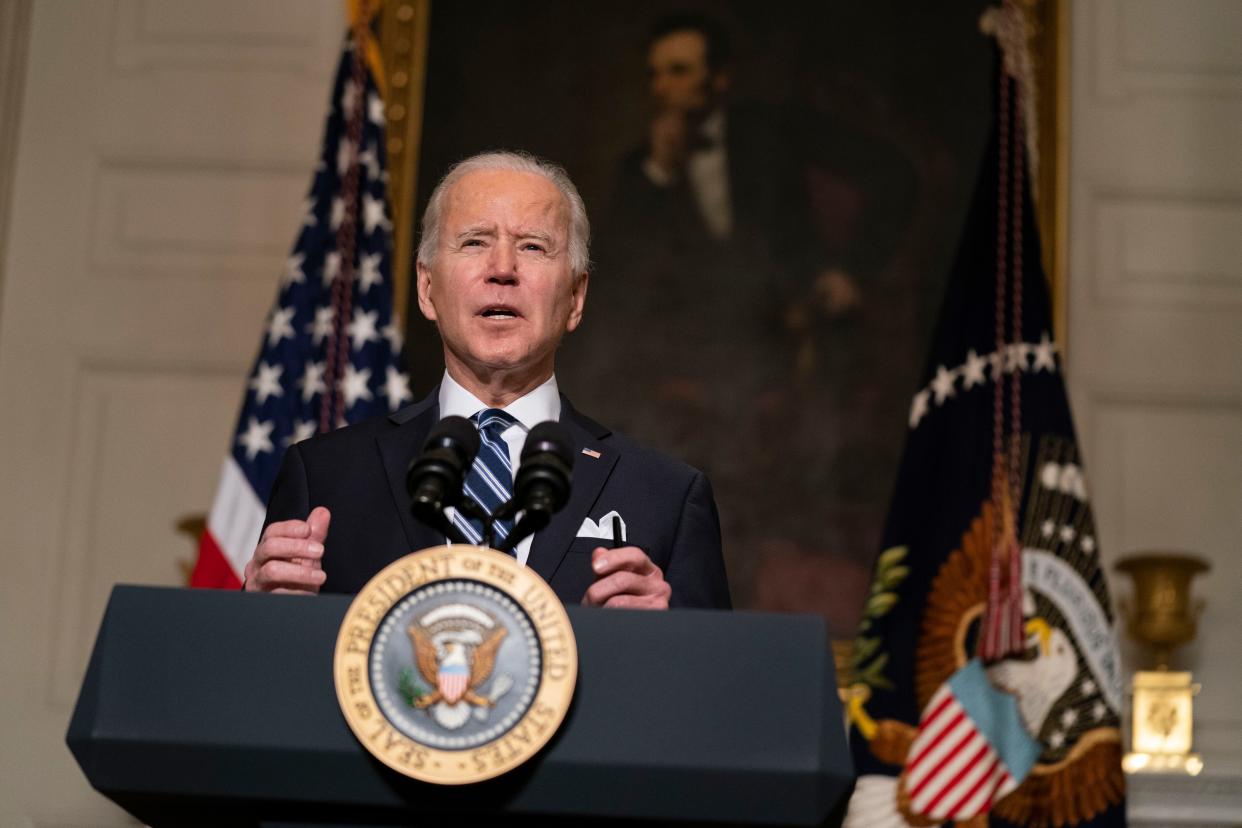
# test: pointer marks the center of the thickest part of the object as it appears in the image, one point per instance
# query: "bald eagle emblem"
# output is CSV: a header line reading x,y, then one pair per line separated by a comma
x,y
455,648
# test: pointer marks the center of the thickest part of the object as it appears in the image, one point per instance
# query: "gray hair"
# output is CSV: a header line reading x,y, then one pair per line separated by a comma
x,y
579,225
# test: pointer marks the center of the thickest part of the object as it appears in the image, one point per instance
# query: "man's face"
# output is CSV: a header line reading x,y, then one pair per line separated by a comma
x,y
679,75
501,289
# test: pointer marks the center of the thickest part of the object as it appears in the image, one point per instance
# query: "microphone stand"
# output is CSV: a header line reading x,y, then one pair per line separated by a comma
x,y
532,521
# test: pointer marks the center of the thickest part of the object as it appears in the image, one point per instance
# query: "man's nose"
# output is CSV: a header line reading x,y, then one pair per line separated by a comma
x,y
502,265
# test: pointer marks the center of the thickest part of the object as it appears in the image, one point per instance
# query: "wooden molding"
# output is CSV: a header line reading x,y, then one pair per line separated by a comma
x,y
403,44
1050,53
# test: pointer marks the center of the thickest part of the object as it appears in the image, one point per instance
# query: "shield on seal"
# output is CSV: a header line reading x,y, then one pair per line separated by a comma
x,y
971,749
453,676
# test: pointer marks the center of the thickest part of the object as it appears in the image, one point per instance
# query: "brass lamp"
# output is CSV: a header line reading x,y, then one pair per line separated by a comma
x,y
1162,617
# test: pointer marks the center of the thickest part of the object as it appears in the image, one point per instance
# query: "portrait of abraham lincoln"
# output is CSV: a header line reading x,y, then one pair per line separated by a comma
x,y
775,192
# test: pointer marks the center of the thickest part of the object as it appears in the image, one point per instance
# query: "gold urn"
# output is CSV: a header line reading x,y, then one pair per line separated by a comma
x,y
1162,617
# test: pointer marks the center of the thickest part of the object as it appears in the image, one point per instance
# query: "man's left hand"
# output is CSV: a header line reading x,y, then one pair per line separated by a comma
x,y
626,577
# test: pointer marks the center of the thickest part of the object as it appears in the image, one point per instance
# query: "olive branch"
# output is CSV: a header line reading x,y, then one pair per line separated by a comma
x,y
409,689
868,663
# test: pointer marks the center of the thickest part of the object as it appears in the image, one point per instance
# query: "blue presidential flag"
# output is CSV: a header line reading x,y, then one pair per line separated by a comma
x,y
986,686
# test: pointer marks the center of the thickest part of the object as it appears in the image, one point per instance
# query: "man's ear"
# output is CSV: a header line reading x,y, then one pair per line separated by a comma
x,y
578,301
424,292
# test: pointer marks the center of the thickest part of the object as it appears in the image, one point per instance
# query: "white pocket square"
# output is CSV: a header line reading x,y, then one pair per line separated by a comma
x,y
603,529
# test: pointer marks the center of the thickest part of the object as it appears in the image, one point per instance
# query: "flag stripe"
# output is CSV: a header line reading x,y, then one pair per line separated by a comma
x,y
936,737
948,749
212,570
959,767
976,775
236,517
980,797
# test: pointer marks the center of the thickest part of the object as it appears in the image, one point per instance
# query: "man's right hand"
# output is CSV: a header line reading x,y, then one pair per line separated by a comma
x,y
289,556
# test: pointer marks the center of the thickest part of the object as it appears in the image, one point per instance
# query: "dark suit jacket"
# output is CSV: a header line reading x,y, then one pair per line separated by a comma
x,y
358,473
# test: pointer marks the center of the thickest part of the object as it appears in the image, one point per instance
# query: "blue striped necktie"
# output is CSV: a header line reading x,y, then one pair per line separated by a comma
x,y
490,481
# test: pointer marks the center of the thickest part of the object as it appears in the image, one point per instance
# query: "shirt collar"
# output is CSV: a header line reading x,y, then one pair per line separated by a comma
x,y
536,406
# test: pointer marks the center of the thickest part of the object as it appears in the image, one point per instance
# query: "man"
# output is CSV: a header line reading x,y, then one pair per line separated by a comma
x,y
503,272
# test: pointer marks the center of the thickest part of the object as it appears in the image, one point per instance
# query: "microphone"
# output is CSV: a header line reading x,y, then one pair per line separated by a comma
x,y
541,487
435,477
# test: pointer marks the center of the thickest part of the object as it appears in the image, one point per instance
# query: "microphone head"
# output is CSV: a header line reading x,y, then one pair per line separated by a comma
x,y
550,437
458,435
435,476
543,478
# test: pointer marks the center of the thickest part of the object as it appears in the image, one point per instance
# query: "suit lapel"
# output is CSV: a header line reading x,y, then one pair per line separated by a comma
x,y
589,475
397,447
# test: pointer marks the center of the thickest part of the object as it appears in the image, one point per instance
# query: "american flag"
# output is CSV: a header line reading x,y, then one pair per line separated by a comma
x,y
330,353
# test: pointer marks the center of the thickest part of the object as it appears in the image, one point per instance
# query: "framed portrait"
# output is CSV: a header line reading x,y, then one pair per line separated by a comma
x,y
775,191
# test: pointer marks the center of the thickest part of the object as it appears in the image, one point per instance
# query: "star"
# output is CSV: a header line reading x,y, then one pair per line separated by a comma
x,y
373,213
369,273
1088,544
1067,533
311,382
302,430
396,388
1099,710
1078,486
309,219
1015,357
392,333
942,385
1050,476
375,109
972,371
280,325
369,160
258,437
293,270
345,154
1072,482
354,384
322,326
266,382
331,267
362,329
918,408
1069,717
1044,354
349,98
995,360
1088,687
1047,528
1056,739
338,213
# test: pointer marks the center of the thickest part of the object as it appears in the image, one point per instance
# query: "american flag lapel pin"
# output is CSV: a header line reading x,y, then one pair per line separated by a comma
x,y
591,453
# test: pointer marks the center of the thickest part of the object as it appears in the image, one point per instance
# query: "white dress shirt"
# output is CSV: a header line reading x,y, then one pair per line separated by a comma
x,y
537,406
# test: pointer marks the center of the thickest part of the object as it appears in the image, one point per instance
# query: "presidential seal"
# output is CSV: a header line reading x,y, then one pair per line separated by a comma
x,y
455,664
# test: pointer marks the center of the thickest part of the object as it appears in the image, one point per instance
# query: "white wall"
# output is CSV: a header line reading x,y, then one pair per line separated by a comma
x,y
162,154
1155,318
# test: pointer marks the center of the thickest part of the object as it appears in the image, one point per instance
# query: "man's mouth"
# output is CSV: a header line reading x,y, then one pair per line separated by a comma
x,y
499,312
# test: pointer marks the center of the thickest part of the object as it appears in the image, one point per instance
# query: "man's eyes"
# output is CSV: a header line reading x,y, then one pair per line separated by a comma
x,y
537,247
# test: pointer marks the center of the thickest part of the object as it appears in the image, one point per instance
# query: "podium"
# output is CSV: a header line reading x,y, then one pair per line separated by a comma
x,y
219,709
